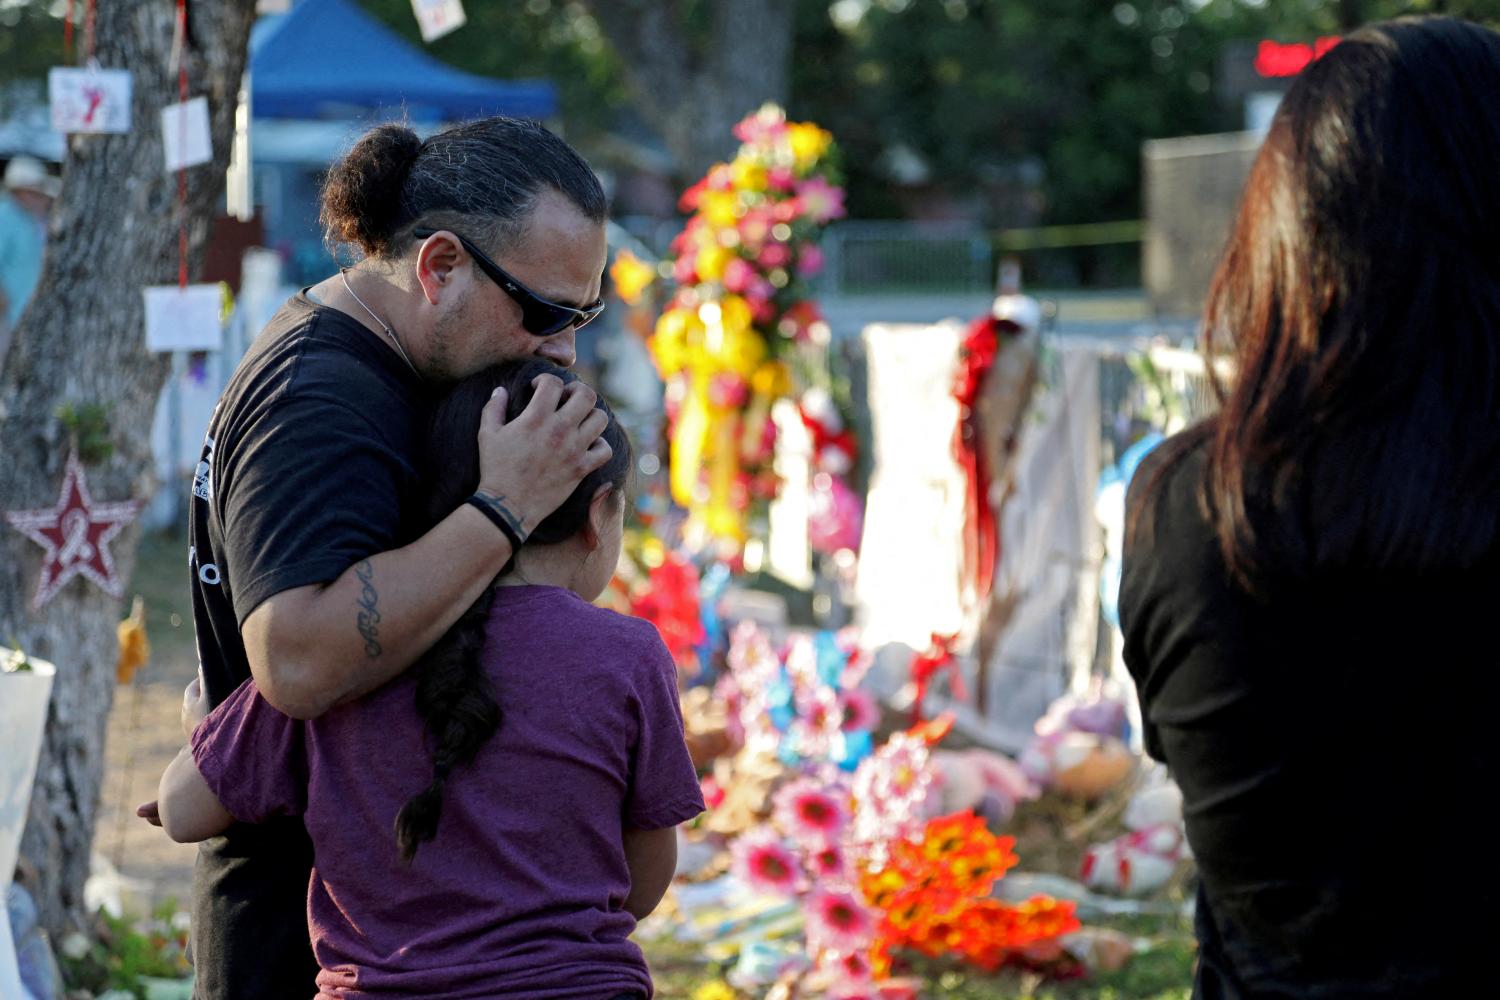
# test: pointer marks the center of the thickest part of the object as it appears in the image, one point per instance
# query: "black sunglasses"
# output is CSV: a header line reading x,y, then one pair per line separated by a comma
x,y
539,316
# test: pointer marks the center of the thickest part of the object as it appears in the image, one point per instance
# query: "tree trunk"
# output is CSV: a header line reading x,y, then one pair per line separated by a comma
x,y
113,230
693,86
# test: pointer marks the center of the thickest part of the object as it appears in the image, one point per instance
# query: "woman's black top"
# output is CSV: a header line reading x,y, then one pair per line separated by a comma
x,y
1335,740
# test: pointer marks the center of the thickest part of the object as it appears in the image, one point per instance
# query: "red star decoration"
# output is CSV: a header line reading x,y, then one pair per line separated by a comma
x,y
75,535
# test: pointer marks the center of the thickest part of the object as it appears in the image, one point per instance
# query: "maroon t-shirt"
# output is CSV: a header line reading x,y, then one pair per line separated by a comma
x,y
520,893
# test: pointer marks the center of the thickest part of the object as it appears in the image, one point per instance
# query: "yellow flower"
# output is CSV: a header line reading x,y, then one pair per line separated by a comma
x,y
809,143
721,209
711,261
678,333
734,313
772,380
748,175
631,276
740,350
716,990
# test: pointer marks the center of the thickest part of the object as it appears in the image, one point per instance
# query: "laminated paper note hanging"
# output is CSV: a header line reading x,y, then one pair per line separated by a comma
x,y
89,99
438,17
184,134
184,319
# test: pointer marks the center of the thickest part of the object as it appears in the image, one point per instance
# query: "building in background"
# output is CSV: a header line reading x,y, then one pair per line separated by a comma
x,y
1191,185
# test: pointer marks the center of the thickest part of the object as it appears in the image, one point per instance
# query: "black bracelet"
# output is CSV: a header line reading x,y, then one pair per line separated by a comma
x,y
501,517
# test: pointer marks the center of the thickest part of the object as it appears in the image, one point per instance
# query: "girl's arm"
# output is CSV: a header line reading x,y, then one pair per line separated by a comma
x,y
189,809
185,806
651,856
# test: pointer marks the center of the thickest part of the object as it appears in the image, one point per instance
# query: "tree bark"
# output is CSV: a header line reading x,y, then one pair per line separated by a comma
x,y
113,231
694,86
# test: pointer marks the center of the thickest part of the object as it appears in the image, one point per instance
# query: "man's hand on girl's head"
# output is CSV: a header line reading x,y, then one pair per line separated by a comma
x,y
534,462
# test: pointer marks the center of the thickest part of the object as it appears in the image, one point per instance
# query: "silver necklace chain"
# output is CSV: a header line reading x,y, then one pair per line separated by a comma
x,y
344,275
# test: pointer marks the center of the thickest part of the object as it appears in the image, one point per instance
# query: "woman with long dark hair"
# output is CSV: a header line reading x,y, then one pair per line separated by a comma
x,y
493,822
1310,574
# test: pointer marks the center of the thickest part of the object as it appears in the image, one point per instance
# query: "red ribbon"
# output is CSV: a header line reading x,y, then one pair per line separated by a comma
x,y
981,533
182,96
88,31
823,437
925,665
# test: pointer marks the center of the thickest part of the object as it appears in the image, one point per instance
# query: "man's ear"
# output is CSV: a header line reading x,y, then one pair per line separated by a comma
x,y
599,514
438,258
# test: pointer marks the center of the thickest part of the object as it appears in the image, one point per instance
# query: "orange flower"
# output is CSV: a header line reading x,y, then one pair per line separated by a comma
x,y
948,834
881,888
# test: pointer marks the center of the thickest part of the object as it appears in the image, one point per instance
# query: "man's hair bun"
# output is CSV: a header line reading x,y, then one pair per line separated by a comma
x,y
362,200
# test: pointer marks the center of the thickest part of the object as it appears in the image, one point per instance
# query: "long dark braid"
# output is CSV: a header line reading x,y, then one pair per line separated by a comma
x,y
454,693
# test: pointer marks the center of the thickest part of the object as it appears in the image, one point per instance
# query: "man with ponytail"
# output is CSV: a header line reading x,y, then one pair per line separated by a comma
x,y
312,568
492,823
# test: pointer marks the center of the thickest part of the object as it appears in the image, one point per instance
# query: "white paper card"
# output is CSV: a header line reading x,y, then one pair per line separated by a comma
x,y
184,319
184,134
438,17
89,100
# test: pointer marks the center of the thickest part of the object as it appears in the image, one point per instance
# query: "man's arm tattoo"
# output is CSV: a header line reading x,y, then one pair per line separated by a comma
x,y
369,617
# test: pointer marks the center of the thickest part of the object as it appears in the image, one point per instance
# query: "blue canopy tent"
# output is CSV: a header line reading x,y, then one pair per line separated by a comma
x,y
323,72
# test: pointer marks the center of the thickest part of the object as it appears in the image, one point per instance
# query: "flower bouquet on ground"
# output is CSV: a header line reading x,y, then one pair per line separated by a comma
x,y
839,871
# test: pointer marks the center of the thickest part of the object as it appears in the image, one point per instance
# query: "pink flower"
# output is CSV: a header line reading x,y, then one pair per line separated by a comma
x,y
684,270
850,972
821,201
827,863
755,227
860,710
762,309
818,704
781,179
713,793
773,255
738,275
809,260
766,125
728,390
759,290
720,178
760,860
838,921
805,811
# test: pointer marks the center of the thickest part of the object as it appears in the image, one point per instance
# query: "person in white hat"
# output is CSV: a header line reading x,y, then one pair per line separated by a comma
x,y
24,207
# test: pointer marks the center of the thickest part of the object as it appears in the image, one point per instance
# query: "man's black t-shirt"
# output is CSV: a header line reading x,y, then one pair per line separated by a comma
x,y
1329,736
309,466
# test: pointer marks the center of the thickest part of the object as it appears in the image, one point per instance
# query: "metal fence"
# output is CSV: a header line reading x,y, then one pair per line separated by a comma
x,y
871,258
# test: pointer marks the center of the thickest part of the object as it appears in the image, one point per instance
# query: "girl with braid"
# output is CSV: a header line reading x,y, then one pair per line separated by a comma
x,y
493,822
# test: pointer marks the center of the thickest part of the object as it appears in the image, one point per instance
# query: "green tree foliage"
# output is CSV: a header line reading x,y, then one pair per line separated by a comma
x,y
1023,111
31,41
519,39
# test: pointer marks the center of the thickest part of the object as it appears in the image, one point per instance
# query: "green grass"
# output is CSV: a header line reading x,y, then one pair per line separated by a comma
x,y
1161,971
161,579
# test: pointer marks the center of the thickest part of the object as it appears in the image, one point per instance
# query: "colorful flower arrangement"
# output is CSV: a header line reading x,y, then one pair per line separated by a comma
x,y
930,895
934,897
804,705
723,343
856,846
